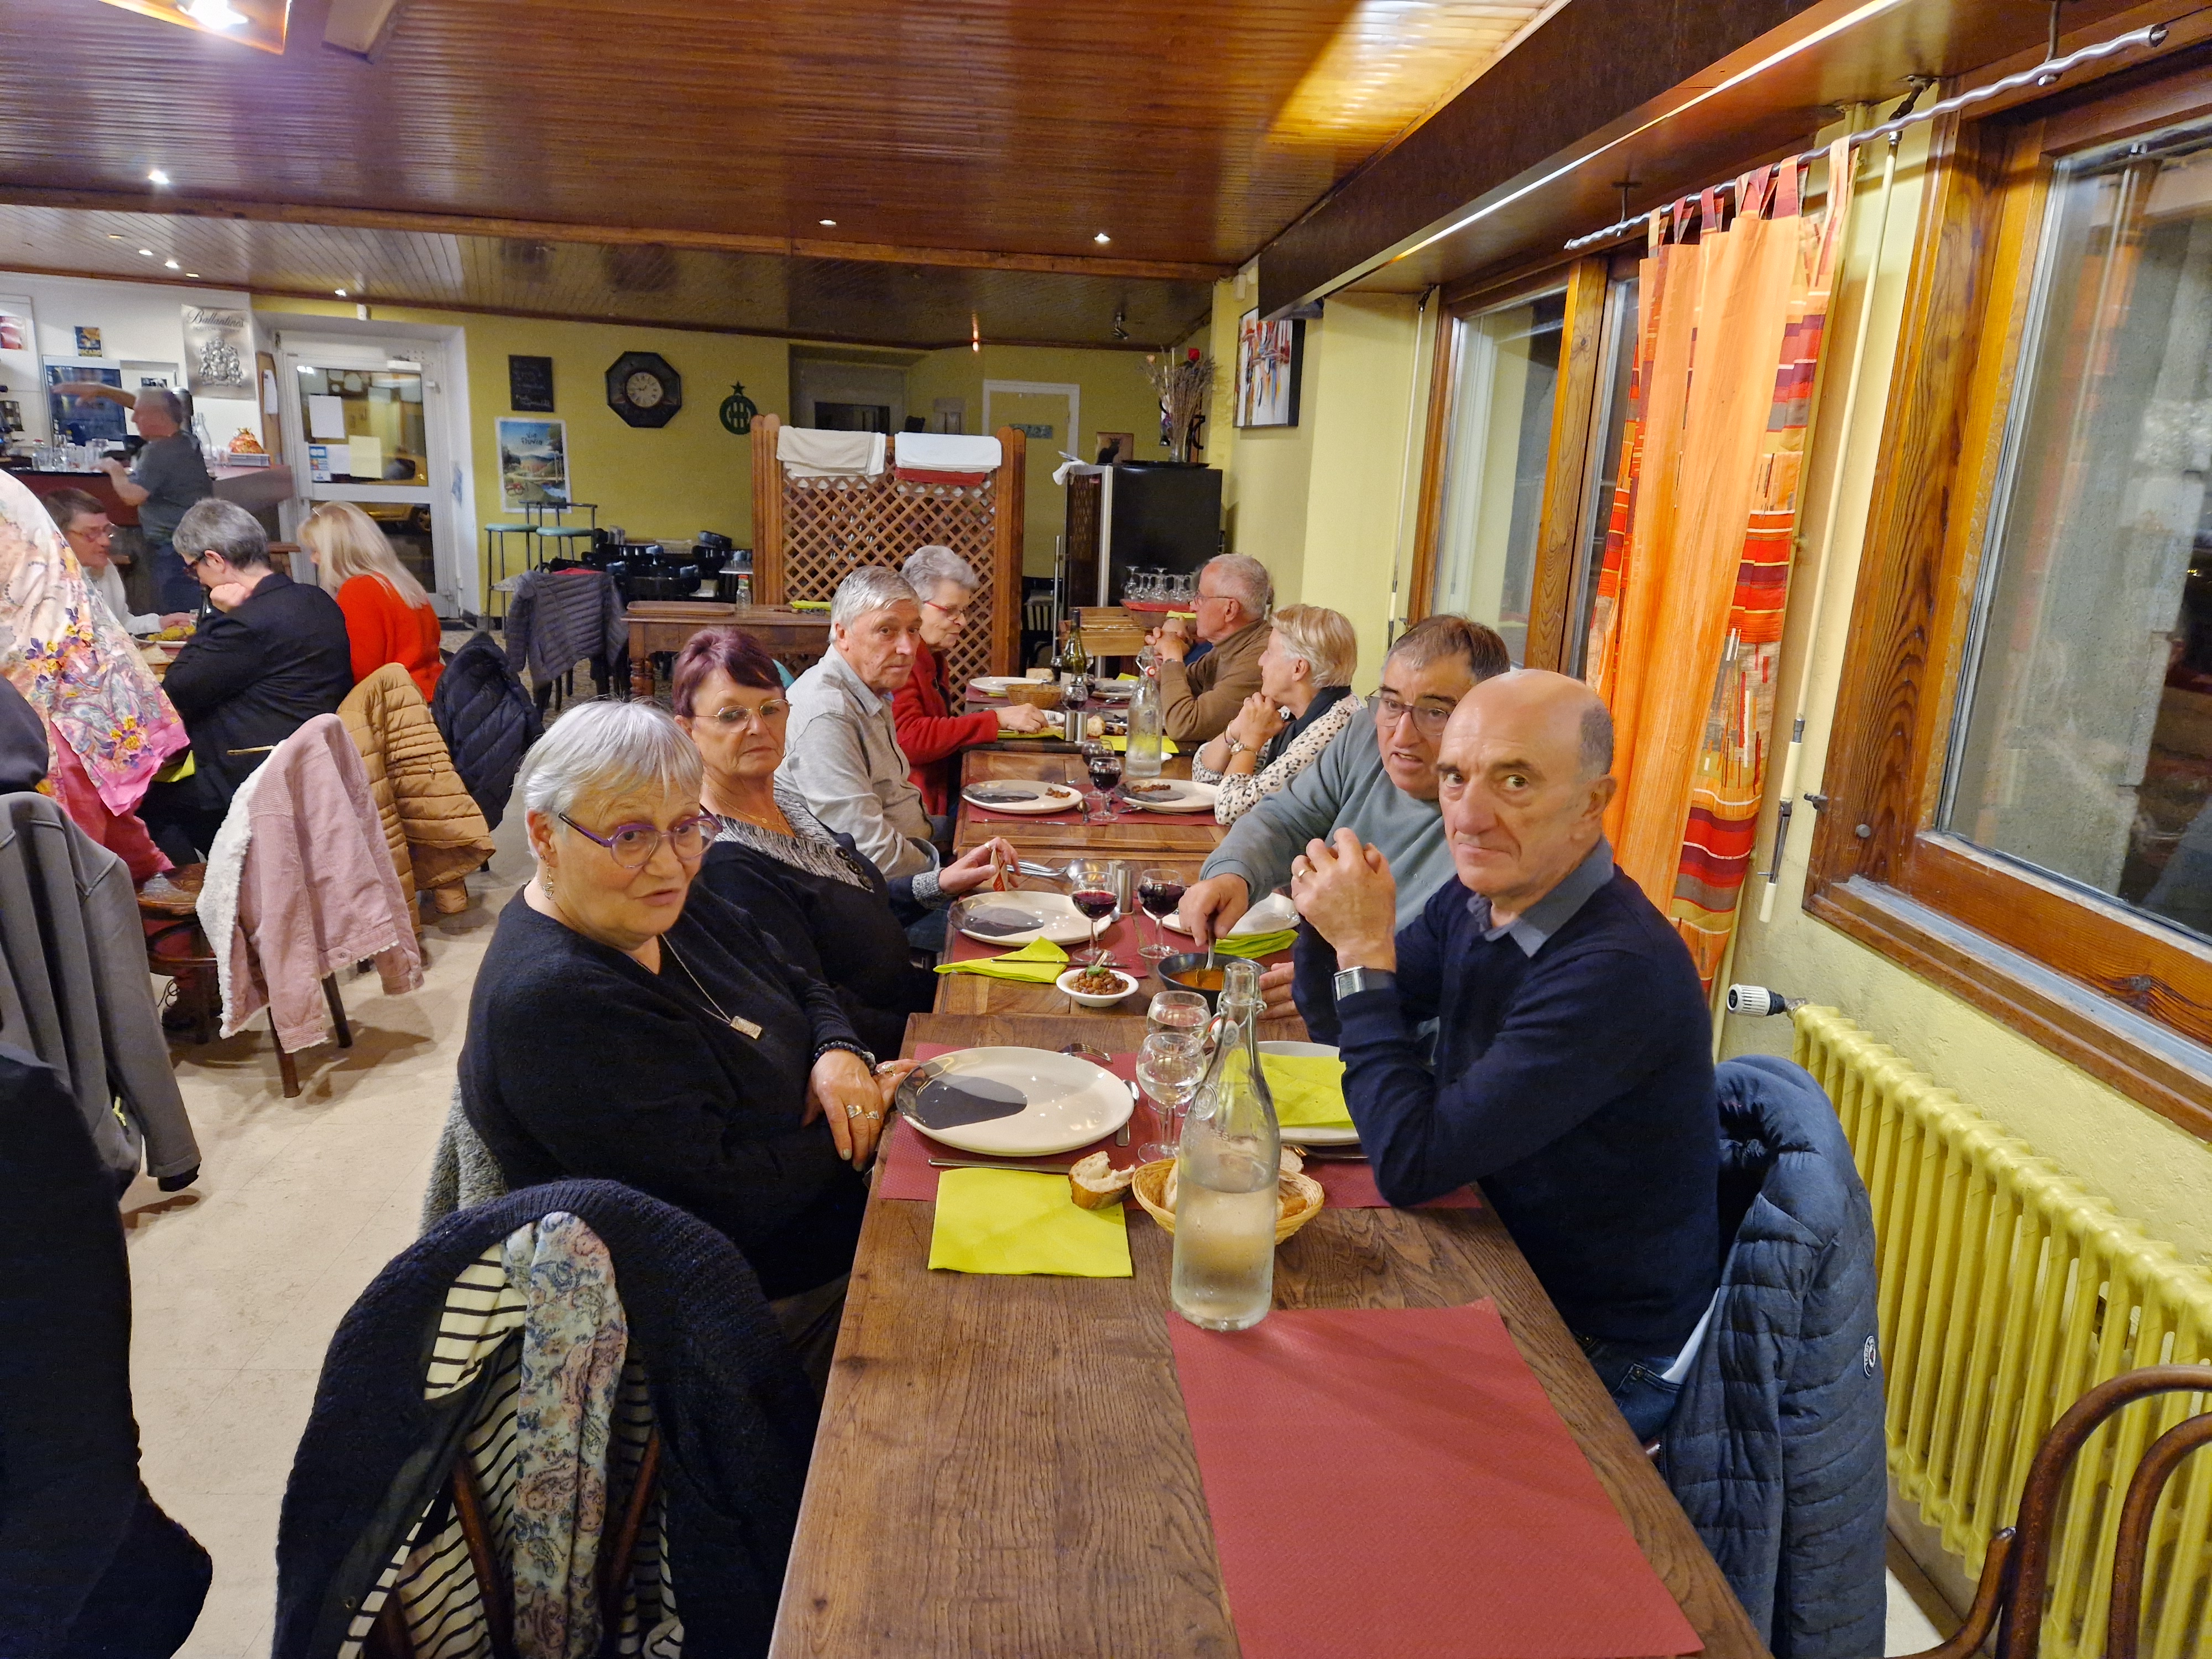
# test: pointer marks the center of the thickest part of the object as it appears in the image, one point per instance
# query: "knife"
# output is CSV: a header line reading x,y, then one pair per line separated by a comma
x,y
997,1163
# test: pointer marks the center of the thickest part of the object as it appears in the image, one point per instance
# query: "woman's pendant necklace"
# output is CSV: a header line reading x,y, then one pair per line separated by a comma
x,y
742,1026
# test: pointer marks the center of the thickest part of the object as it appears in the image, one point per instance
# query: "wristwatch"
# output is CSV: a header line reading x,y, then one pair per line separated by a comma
x,y
1350,981
1235,747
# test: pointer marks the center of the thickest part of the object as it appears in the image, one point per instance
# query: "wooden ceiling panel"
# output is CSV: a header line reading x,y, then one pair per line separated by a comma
x,y
864,301
1190,134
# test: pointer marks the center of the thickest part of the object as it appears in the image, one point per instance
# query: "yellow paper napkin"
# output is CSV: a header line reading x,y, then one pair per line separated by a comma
x,y
1256,944
1121,746
1308,1090
1038,963
1004,1221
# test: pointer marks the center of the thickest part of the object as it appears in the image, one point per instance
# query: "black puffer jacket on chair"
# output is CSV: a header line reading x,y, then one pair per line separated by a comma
x,y
1776,1447
488,721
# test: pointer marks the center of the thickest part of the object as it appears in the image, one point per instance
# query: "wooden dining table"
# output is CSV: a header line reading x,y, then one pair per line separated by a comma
x,y
1004,1466
1133,834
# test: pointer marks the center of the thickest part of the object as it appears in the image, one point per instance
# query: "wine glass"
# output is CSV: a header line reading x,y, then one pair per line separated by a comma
x,y
1105,768
1178,1013
1169,1067
1090,889
1159,892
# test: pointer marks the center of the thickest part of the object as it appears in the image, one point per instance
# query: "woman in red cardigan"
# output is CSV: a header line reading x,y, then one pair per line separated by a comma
x,y
929,732
388,616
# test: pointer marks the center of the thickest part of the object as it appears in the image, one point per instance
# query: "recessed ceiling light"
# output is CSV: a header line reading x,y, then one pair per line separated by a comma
x,y
214,13
191,273
146,253
113,236
157,177
172,265
1102,237
832,223
340,292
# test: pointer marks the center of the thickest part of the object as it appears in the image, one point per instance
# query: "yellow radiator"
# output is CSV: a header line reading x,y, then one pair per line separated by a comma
x,y
2008,1289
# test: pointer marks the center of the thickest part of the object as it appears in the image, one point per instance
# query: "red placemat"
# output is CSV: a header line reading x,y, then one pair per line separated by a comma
x,y
1350,1186
905,1172
1394,1480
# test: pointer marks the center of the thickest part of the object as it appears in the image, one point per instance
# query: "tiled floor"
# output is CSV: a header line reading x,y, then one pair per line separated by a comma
x,y
238,1283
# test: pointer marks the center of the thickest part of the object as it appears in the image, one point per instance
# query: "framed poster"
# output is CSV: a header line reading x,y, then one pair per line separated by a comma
x,y
534,462
88,342
530,383
218,352
1270,359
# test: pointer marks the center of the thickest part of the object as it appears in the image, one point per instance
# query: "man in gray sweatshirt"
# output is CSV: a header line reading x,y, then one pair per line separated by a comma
x,y
1377,780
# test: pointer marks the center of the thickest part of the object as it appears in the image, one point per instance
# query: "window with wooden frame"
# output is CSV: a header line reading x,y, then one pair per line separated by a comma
x,y
2020,784
1508,455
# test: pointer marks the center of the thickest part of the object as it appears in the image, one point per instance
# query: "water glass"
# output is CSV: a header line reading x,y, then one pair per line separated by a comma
x,y
1177,1013
1169,1067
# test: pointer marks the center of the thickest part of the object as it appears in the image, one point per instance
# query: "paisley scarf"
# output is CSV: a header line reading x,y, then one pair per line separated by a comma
x,y
72,662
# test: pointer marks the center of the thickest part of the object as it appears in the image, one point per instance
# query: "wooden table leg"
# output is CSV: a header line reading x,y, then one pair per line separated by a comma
x,y
641,665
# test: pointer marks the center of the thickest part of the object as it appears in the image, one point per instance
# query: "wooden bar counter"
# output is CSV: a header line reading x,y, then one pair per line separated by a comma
x,y
667,625
1005,1470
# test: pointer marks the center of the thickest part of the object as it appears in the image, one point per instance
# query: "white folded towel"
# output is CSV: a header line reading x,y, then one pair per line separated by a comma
x,y
809,452
950,452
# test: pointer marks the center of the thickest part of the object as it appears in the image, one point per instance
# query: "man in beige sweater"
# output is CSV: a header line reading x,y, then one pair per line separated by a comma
x,y
1199,700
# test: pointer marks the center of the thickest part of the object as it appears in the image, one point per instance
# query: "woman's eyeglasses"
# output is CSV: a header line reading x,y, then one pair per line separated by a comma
x,y
729,718
633,844
1427,717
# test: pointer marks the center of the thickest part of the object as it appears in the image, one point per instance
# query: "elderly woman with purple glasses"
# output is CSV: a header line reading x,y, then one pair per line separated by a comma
x,y
627,1027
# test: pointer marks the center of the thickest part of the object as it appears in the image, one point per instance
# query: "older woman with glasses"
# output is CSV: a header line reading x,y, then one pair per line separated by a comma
x,y
930,730
1303,701
627,1027
829,908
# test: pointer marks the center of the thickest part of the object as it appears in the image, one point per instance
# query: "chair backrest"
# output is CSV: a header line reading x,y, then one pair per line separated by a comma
x,y
2015,1574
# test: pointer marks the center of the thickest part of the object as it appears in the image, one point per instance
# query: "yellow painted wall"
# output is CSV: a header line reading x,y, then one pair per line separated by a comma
x,y
1329,505
2150,1169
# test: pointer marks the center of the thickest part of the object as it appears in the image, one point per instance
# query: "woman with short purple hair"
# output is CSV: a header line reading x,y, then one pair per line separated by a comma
x,y
829,908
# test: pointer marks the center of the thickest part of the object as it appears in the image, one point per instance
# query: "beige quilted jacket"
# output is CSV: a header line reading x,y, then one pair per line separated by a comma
x,y
435,832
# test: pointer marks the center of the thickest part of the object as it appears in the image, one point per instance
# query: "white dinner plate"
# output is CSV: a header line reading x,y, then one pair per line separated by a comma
x,y
1114,690
1051,915
1188,797
1022,795
1311,1137
994,685
1270,915
1051,1103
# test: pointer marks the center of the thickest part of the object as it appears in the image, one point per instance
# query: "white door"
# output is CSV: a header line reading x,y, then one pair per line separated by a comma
x,y
366,422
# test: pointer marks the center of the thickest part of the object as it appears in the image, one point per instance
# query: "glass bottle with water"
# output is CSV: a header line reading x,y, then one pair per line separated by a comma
x,y
1147,728
1227,1170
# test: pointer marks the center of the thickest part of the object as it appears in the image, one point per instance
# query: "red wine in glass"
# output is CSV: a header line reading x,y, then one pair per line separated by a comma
x,y
1160,899
1159,892
1105,769
1096,905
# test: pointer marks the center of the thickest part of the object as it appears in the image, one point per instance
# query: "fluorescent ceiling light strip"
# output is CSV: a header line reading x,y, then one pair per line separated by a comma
x,y
1850,19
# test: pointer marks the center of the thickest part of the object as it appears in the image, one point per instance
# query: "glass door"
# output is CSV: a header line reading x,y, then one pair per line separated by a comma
x,y
364,429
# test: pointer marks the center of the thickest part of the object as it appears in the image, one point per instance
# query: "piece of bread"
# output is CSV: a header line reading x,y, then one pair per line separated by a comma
x,y
1293,1160
1094,1183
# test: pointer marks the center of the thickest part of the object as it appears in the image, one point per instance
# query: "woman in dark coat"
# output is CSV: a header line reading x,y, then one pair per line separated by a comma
x,y
830,909
626,1028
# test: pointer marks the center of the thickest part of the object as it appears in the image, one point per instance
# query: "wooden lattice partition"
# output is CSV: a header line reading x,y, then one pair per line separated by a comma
x,y
808,533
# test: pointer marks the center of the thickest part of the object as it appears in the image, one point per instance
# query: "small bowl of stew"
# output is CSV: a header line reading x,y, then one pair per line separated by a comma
x,y
1187,971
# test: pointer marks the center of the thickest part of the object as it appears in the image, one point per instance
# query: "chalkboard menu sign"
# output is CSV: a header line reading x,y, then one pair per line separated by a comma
x,y
530,383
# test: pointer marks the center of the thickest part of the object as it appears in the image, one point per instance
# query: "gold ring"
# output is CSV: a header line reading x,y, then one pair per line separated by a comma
x,y
875,1117
851,1110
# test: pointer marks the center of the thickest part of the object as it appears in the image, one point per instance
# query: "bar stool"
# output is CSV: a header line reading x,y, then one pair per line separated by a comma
x,y
564,538
495,539
537,512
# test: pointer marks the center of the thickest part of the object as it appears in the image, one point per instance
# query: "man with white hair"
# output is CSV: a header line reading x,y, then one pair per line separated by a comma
x,y
842,752
930,729
1198,699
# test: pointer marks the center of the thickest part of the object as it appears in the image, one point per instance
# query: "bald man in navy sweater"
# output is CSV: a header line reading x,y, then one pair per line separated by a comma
x,y
1572,1068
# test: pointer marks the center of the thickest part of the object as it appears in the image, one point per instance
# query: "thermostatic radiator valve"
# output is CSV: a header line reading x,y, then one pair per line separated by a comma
x,y
1757,1000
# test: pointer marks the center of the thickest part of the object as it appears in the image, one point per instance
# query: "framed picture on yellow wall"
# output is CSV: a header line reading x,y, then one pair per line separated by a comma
x,y
534,462
1270,362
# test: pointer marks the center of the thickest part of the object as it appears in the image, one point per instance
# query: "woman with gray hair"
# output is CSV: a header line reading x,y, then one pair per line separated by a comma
x,y
929,730
1303,701
627,1028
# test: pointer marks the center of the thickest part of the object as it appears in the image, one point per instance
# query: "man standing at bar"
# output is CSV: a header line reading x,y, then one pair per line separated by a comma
x,y
1198,699
1572,1069
167,479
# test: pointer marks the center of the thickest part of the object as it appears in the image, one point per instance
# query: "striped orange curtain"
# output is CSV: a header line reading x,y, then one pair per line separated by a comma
x,y
1688,620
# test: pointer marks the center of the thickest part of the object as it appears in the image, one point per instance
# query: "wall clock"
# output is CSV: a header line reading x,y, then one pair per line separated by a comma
x,y
643,389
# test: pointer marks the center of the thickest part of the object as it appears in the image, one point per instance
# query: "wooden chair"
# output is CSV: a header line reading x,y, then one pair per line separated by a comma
x,y
177,949
2015,1574
388,1637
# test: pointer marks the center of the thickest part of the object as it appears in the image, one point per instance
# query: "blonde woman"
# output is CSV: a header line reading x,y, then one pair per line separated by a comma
x,y
388,616
1303,701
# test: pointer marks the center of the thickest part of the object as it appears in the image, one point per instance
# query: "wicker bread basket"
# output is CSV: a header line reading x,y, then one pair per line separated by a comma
x,y
1299,1198
1036,695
